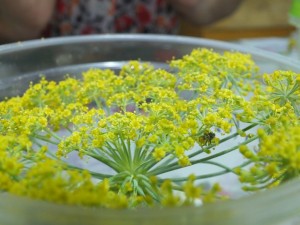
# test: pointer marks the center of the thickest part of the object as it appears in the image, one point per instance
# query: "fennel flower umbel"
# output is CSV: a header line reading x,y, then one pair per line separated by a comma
x,y
143,123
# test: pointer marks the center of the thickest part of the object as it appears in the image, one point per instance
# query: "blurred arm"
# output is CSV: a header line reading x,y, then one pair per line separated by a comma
x,y
24,19
204,12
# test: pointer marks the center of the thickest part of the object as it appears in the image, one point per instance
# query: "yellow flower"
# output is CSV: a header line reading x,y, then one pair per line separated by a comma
x,y
159,153
145,122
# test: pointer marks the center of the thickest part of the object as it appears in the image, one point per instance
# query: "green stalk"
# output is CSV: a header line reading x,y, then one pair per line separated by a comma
x,y
225,171
104,160
98,103
94,174
145,154
225,151
45,139
121,147
210,146
48,152
227,168
140,156
127,151
112,150
144,167
136,155
68,129
175,166
268,184
221,141
53,134
124,160
111,154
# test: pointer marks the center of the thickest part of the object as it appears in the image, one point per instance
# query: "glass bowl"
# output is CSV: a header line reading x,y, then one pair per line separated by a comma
x,y
23,62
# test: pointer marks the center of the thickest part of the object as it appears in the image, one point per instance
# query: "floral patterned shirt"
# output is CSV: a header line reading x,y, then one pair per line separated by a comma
x,y
75,17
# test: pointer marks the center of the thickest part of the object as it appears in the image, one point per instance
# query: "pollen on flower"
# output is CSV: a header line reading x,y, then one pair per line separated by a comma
x,y
159,153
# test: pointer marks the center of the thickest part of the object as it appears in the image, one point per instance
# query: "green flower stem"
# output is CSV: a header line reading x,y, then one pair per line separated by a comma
x,y
277,89
53,134
104,160
146,184
48,152
137,155
172,160
101,153
225,171
100,176
169,158
115,149
151,191
141,159
263,179
125,164
128,145
111,151
204,149
126,150
229,137
45,139
126,180
181,179
34,141
225,151
119,177
143,167
14,177
52,155
146,154
295,88
107,151
98,103
227,168
266,185
175,166
69,129
295,106
232,80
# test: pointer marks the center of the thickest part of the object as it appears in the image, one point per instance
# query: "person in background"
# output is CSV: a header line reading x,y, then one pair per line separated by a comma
x,y
29,19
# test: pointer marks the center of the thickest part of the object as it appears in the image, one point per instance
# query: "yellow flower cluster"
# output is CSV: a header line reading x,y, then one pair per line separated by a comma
x,y
277,159
206,71
144,122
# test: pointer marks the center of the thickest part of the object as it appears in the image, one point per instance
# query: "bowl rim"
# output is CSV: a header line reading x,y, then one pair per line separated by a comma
x,y
263,208
154,38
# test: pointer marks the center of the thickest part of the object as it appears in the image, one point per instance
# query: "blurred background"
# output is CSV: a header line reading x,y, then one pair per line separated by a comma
x,y
265,24
254,18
